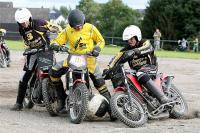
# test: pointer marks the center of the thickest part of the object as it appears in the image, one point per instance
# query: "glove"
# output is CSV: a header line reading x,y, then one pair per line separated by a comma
x,y
96,51
55,47
127,54
130,53
106,74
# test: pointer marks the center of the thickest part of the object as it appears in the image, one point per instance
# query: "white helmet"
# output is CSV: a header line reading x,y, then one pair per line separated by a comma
x,y
22,15
132,31
98,106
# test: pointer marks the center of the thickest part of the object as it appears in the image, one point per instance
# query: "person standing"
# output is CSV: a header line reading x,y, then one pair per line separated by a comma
x,y
196,45
157,36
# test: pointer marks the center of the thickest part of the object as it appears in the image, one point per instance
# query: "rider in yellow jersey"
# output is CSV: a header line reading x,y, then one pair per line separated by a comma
x,y
82,38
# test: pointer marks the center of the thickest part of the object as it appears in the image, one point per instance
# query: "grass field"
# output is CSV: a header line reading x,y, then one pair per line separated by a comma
x,y
15,45
112,50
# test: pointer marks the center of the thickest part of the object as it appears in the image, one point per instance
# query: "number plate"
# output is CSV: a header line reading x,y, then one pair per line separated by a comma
x,y
78,60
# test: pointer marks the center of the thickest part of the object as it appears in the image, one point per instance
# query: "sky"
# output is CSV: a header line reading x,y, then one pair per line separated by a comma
x,y
135,4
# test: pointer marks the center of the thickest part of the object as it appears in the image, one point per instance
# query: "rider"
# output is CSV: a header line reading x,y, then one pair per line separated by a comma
x,y
34,33
143,60
82,38
2,35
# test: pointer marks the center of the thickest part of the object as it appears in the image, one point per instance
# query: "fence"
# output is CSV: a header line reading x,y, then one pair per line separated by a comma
x,y
164,44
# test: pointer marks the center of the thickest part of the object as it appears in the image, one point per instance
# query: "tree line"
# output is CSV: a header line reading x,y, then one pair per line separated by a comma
x,y
175,18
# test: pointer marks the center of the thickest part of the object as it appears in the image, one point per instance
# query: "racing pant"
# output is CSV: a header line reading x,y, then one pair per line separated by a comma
x,y
61,67
145,75
29,67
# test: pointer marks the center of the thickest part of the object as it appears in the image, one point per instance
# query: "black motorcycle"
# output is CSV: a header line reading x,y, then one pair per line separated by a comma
x,y
40,91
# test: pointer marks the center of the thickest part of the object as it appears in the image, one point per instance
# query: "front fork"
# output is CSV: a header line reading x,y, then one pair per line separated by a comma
x,y
70,86
128,89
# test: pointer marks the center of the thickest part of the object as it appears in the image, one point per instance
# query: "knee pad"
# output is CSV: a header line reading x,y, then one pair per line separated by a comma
x,y
99,82
25,76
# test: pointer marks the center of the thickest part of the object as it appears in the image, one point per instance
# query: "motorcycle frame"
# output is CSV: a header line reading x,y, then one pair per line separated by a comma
x,y
39,75
132,86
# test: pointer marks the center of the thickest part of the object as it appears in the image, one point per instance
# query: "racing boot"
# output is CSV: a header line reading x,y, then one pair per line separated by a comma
x,y
61,109
17,107
156,92
61,97
107,95
20,97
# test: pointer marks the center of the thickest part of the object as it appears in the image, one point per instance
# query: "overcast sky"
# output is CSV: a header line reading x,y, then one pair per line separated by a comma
x,y
135,4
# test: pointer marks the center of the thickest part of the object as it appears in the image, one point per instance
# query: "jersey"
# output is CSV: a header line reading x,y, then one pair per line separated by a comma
x,y
82,41
36,35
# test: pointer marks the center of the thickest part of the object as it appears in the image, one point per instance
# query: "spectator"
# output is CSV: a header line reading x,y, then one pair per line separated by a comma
x,y
157,36
196,45
184,44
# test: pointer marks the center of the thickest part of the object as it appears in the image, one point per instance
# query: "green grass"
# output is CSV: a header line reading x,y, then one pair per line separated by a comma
x,y
15,45
113,50
110,50
178,54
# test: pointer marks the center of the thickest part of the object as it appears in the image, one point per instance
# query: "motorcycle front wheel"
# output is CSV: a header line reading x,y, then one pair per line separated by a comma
x,y
132,116
79,97
49,97
3,61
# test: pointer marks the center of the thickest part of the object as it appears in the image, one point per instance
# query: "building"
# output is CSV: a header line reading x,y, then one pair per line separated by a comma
x,y
7,17
56,17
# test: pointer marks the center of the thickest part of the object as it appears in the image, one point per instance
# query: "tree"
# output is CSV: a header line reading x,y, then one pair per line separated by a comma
x,y
64,11
175,18
115,16
90,9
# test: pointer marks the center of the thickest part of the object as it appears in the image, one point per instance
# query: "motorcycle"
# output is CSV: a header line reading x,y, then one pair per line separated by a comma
x,y
77,86
40,91
133,104
3,57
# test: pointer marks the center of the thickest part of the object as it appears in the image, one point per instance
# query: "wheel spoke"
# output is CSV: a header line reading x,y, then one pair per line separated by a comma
x,y
132,113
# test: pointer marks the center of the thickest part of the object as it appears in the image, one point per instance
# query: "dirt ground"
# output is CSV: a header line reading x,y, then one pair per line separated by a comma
x,y
187,77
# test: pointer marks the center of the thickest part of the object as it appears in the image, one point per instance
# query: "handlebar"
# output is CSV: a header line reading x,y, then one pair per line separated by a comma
x,y
64,49
32,51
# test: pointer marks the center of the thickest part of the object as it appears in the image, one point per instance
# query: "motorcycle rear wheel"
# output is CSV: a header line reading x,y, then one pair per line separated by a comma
x,y
79,98
132,117
180,109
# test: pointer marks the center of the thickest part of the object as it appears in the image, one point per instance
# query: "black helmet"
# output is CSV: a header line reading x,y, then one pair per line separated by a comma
x,y
76,18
